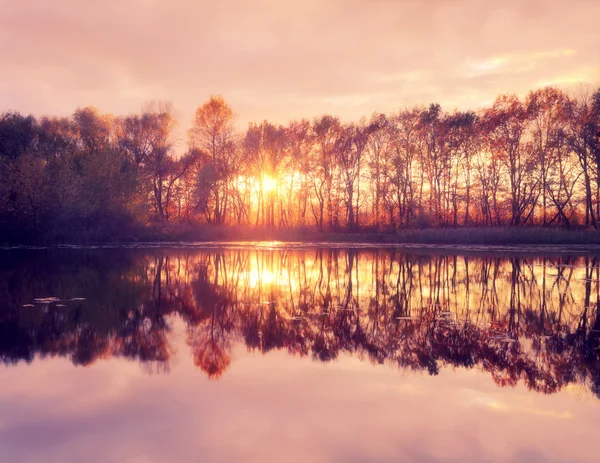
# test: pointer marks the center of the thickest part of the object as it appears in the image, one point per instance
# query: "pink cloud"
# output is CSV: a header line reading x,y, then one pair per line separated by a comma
x,y
281,60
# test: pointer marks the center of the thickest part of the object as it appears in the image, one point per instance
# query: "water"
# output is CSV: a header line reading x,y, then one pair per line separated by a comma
x,y
298,354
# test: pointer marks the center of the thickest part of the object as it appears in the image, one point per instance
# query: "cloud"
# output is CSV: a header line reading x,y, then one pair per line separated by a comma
x,y
283,60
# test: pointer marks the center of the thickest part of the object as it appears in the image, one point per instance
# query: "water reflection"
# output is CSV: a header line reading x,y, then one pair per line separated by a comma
x,y
532,320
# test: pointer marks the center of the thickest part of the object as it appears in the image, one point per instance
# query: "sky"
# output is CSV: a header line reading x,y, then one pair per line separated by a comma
x,y
281,60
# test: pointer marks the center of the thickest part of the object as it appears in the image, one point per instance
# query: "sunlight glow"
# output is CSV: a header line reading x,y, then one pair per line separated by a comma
x,y
269,184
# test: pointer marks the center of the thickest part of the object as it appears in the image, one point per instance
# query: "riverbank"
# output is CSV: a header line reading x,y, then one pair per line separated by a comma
x,y
442,236
463,236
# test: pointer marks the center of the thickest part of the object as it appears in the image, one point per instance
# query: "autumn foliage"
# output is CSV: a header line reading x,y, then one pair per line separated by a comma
x,y
530,161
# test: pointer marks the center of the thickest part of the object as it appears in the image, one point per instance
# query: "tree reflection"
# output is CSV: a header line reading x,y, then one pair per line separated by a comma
x,y
522,319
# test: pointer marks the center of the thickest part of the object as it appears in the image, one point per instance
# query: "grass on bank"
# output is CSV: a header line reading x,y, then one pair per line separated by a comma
x,y
157,232
454,236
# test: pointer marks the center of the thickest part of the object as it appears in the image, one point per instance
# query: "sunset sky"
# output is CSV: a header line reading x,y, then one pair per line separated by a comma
x,y
280,60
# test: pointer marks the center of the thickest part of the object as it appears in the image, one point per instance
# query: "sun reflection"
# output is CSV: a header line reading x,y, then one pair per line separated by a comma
x,y
261,277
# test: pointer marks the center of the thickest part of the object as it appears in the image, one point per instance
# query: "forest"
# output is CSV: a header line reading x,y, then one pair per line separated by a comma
x,y
520,162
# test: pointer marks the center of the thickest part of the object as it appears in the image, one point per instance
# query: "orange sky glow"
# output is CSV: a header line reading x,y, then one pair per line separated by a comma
x,y
280,60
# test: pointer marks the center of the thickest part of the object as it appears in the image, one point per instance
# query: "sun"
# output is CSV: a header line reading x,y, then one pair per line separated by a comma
x,y
269,184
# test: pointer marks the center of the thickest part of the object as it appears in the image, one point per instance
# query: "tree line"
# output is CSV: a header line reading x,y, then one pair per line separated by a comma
x,y
521,161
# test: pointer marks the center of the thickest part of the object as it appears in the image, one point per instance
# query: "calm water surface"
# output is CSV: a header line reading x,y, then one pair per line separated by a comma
x,y
297,355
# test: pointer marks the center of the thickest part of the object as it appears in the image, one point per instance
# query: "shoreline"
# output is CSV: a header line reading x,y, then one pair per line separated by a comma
x,y
466,237
496,236
504,241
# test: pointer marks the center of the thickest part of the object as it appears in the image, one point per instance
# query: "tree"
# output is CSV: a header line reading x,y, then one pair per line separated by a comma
x,y
299,145
213,133
18,134
326,132
379,163
265,148
463,145
349,150
159,166
436,160
547,108
583,125
405,142
94,129
506,124
18,139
